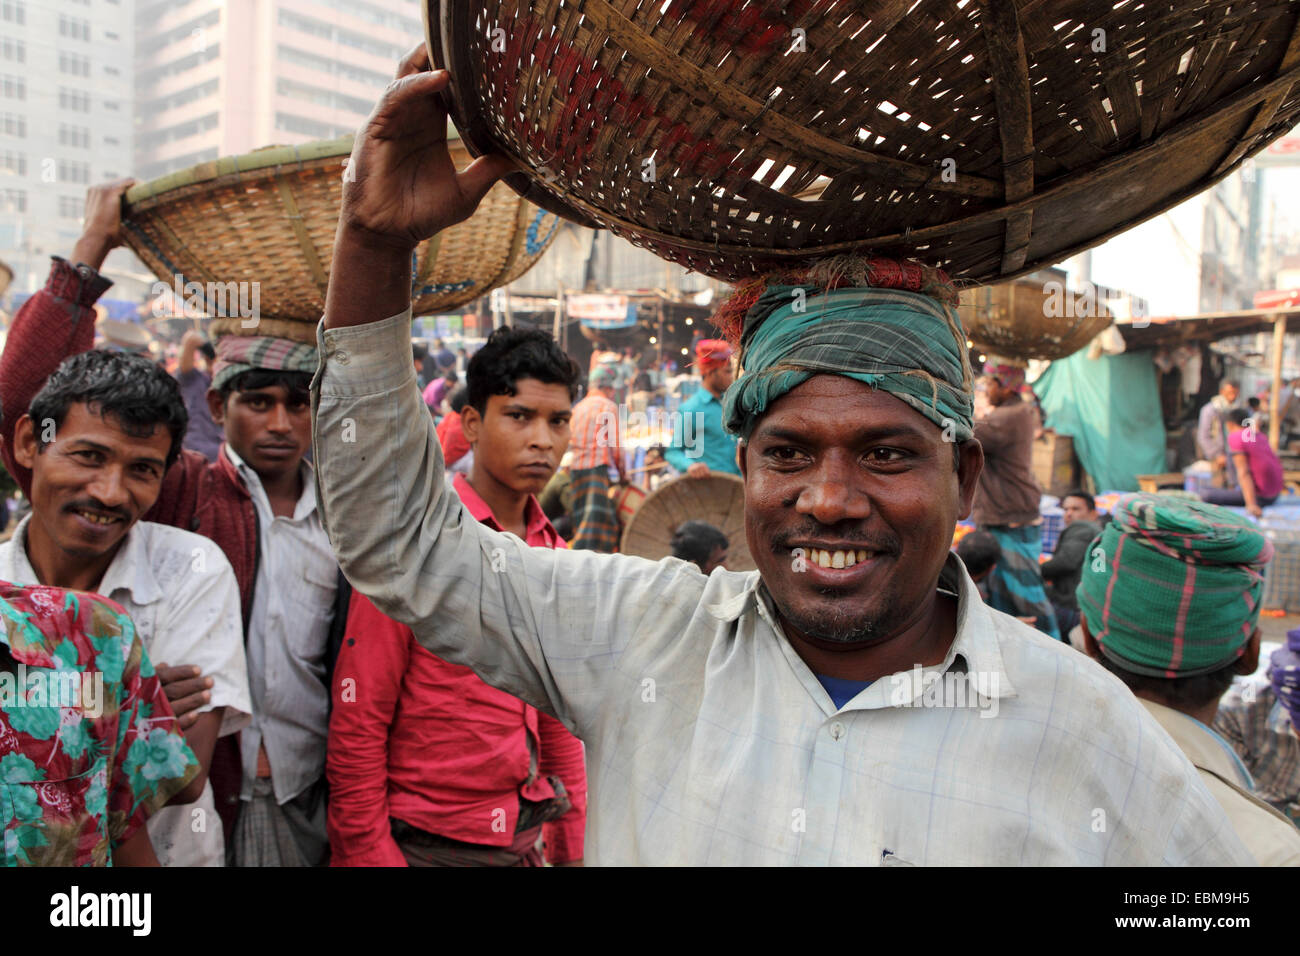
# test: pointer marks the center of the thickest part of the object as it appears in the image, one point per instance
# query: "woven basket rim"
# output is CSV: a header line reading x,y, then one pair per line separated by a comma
x,y
447,25
268,159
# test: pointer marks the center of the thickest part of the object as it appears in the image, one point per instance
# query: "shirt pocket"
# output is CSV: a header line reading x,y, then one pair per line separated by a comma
x,y
56,822
310,607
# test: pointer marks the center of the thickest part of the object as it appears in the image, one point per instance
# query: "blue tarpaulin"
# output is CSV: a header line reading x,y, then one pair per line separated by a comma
x,y
1110,406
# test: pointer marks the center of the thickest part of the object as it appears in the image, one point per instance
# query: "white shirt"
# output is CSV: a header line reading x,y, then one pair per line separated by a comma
x,y
288,629
709,741
1270,836
182,596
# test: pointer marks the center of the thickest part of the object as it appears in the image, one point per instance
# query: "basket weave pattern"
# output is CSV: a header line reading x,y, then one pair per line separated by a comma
x,y
270,217
989,137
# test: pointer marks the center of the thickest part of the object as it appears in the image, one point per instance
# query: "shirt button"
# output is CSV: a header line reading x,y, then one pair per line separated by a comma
x,y
341,357
837,730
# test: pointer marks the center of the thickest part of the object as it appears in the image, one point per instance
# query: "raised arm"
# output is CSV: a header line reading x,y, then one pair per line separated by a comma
x,y
546,626
59,320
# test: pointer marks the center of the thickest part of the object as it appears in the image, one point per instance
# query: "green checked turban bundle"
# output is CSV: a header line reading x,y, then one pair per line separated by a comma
x,y
1172,587
905,342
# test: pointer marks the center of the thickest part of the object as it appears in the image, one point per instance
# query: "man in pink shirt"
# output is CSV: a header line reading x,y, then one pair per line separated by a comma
x,y
1259,472
427,764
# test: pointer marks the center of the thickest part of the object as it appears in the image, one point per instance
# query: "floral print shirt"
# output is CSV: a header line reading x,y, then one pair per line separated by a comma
x,y
89,747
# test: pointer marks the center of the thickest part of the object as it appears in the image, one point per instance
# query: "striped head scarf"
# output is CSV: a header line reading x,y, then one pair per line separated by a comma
x,y
602,376
1011,375
237,354
890,325
1172,586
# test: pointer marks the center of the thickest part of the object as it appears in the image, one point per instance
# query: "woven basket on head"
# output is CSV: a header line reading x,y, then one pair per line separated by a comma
x,y
1029,319
718,499
269,217
989,137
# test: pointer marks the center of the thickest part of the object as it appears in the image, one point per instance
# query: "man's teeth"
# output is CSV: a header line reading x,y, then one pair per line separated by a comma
x,y
836,559
97,519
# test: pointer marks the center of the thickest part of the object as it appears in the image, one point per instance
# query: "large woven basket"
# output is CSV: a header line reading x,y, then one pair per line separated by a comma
x,y
1028,319
990,137
718,499
270,216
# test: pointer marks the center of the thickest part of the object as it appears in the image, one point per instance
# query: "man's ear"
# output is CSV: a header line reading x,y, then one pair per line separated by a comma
x,y
470,422
25,447
1090,644
970,463
741,458
216,406
1248,662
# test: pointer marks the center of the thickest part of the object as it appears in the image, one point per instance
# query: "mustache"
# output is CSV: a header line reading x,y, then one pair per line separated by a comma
x,y
90,504
881,543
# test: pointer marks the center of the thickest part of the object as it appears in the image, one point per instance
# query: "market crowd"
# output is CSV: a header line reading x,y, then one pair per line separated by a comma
x,y
321,642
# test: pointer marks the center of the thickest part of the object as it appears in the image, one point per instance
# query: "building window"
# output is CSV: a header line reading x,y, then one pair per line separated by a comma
x,y
112,71
111,141
110,104
71,171
110,35
180,131
329,99
13,50
180,98
13,87
74,28
76,100
72,207
13,11
11,124
74,63
13,163
324,64
13,200
327,31
76,136
307,127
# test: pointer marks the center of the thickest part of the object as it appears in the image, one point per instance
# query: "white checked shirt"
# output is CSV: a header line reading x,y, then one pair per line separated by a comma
x,y
1254,721
288,628
182,596
709,741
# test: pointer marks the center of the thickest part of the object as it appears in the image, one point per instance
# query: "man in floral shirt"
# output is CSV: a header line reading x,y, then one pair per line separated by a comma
x,y
89,747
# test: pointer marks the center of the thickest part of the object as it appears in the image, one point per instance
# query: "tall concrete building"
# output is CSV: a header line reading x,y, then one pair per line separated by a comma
x,y
65,122
221,77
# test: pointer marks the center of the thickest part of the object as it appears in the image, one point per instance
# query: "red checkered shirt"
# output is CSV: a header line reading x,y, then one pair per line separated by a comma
x,y
594,438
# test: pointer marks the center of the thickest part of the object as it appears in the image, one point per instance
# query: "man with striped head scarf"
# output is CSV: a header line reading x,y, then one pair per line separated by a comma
x,y
826,709
1170,599
260,398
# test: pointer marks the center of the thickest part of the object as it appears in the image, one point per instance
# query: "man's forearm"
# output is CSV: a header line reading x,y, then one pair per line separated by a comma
x,y
369,280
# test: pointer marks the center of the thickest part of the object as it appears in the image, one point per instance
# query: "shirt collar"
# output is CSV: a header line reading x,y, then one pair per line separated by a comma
x,y
536,525
306,501
976,640
129,570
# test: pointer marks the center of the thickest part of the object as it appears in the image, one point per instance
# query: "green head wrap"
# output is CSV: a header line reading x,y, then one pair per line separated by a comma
x,y
1172,587
905,343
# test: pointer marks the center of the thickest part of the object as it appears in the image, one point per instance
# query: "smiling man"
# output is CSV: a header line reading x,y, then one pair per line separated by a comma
x,y
98,438
257,503
703,702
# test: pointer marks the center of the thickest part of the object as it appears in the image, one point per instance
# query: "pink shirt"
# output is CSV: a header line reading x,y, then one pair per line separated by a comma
x,y
1265,469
